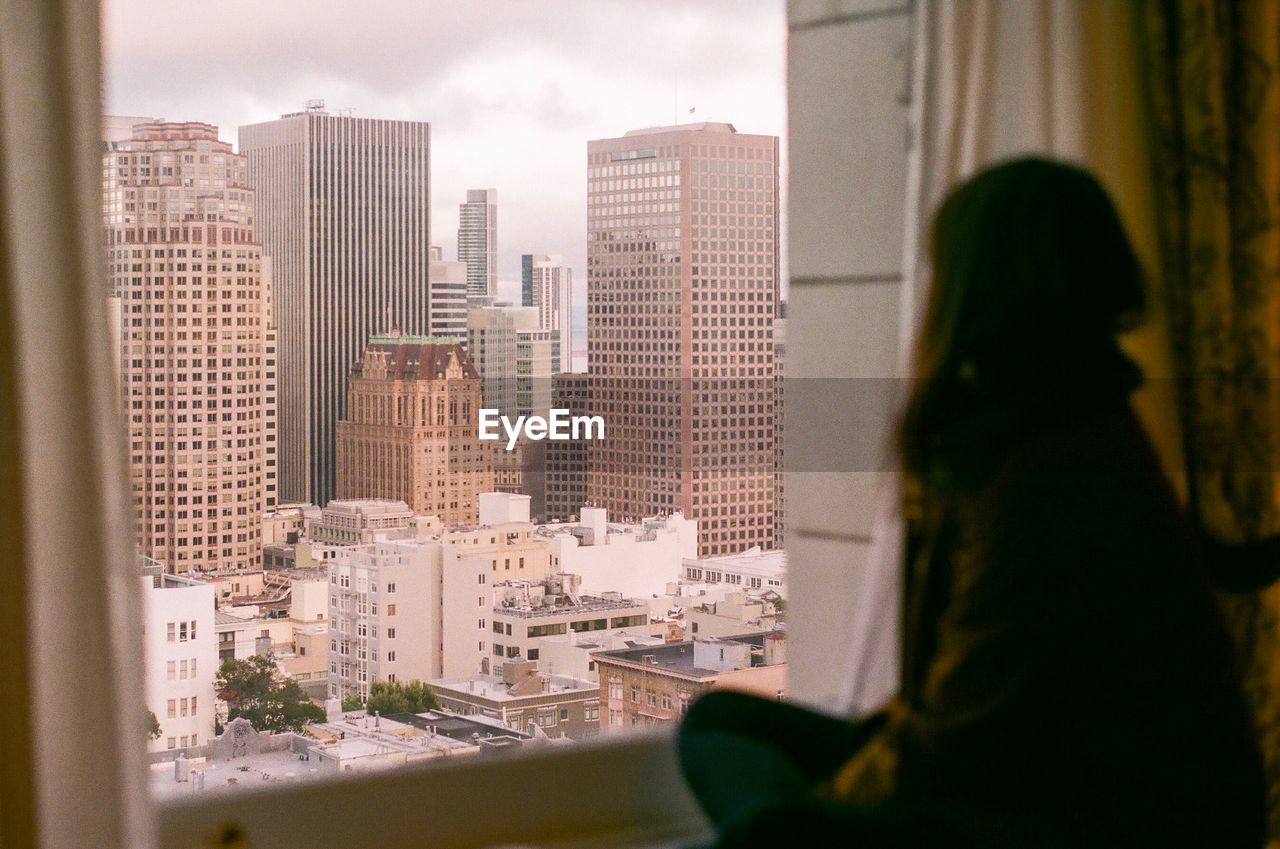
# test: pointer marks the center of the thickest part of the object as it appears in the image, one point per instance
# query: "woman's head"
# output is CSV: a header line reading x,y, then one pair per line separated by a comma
x,y
1033,278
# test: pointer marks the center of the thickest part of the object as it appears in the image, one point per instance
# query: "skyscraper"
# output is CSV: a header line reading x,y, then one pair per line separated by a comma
x,y
546,283
448,297
566,461
187,268
410,432
514,357
478,241
516,361
343,211
682,285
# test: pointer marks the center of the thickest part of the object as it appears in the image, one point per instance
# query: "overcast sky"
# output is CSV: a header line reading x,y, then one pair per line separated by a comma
x,y
513,88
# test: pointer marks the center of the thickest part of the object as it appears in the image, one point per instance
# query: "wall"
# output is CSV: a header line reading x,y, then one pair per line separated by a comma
x,y
848,81
178,604
624,565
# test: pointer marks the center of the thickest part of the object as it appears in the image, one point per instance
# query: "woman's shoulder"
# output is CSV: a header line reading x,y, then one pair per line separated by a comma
x,y
1091,471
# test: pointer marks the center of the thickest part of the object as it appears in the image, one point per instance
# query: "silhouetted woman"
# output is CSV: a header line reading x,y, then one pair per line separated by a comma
x,y
1066,678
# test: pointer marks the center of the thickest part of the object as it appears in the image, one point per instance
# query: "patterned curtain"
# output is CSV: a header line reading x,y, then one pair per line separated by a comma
x,y
1213,74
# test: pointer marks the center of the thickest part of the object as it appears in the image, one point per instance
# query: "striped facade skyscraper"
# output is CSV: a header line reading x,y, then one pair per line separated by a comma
x,y
344,213
478,241
546,283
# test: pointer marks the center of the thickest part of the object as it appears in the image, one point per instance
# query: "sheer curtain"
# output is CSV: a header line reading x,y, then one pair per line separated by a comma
x,y
993,79
72,772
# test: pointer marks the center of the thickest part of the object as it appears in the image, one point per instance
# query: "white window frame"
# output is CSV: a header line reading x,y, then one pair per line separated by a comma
x,y
82,584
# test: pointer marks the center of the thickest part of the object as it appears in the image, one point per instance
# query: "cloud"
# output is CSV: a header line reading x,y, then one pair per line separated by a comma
x,y
513,88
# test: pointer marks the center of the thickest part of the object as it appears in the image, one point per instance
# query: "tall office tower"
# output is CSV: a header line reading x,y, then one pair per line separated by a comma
x,y
448,297
478,241
514,357
682,284
566,461
410,433
343,211
186,264
516,361
546,283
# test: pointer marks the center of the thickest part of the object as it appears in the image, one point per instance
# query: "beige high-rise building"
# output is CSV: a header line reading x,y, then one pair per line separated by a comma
x,y
682,287
344,213
195,344
410,432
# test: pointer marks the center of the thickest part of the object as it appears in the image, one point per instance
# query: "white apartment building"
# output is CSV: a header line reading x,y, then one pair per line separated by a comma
x,y
362,520
181,658
637,559
526,611
753,570
420,608
571,654
288,523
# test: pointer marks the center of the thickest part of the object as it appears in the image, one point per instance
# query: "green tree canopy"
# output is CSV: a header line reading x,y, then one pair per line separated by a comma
x,y
153,726
351,701
387,697
253,689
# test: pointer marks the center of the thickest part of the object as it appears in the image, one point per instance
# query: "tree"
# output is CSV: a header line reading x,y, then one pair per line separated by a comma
x,y
388,697
153,726
351,701
253,689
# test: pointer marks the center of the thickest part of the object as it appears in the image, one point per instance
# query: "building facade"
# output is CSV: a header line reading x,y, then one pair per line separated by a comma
x,y
514,358
566,460
682,286
478,241
344,213
420,609
522,698
448,298
546,284
195,344
181,657
525,611
653,686
411,429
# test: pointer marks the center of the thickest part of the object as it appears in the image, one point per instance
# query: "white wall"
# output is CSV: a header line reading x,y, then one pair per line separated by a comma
x,y
625,565
848,100
176,604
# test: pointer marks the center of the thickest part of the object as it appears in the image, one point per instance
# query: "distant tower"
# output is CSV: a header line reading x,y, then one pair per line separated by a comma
x,y
196,345
478,241
448,297
344,213
547,285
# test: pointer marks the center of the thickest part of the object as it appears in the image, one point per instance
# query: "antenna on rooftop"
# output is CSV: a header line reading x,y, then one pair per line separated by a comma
x,y
315,105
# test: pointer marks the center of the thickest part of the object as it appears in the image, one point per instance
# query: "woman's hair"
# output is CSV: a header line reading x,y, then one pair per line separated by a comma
x,y
1033,277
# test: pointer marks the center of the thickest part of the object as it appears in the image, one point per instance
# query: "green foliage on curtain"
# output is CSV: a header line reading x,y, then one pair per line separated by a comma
x,y
1213,73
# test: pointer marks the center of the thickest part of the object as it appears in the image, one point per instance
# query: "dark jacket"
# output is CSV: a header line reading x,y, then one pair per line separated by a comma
x,y
1066,677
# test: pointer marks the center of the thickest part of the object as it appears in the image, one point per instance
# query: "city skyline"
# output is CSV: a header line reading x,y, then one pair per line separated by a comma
x,y
544,76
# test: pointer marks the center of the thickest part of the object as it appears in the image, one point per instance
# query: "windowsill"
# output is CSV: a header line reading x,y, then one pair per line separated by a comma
x,y
615,793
